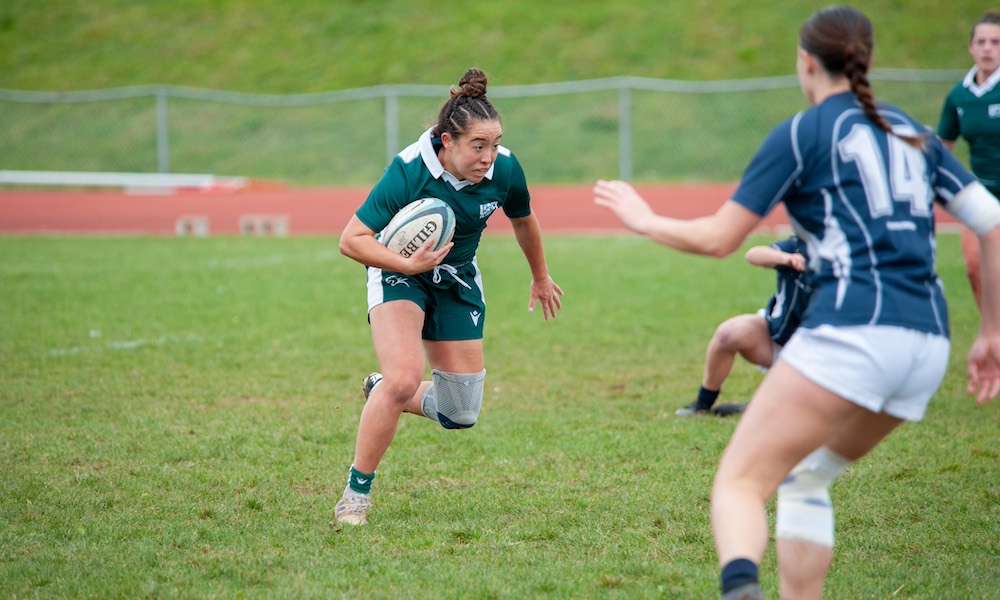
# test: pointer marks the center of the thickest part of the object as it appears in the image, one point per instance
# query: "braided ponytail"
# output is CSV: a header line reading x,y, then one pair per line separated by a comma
x,y
841,38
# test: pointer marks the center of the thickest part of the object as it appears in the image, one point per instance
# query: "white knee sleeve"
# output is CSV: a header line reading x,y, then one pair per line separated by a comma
x,y
454,399
804,509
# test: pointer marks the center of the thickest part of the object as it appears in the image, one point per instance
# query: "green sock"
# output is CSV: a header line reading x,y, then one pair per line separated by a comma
x,y
360,482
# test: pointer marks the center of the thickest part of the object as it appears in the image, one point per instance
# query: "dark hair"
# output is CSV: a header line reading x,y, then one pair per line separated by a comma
x,y
467,103
990,18
842,39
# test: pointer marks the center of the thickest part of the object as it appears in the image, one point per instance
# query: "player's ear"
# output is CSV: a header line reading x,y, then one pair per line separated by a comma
x,y
446,140
808,60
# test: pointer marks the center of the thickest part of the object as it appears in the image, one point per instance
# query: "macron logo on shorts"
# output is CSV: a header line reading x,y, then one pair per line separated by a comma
x,y
475,317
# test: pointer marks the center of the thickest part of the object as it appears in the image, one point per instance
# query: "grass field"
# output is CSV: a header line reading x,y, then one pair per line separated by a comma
x,y
178,416
264,46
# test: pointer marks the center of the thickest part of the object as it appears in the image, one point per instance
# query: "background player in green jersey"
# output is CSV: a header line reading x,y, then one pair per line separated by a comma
x,y
972,111
429,308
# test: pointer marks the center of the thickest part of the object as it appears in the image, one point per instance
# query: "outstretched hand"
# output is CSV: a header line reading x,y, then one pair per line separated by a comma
x,y
626,204
545,292
984,369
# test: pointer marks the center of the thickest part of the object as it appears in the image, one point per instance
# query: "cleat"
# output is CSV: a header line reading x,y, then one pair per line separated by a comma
x,y
695,408
369,383
748,591
728,409
352,509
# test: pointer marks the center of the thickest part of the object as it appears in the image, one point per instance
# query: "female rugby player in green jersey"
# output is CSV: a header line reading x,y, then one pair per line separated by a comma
x,y
972,111
429,308
858,180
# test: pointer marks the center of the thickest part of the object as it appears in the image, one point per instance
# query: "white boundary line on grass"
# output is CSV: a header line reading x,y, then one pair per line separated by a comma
x,y
125,344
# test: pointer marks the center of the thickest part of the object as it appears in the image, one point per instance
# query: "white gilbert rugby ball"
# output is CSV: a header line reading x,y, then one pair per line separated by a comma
x,y
417,223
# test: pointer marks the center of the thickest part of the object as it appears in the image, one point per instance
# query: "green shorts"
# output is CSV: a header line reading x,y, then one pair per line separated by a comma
x,y
451,297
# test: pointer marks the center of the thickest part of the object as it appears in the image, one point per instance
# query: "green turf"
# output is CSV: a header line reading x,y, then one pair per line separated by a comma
x,y
177,417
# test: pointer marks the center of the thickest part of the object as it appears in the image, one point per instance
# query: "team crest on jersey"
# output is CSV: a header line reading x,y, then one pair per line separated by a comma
x,y
994,111
486,210
395,280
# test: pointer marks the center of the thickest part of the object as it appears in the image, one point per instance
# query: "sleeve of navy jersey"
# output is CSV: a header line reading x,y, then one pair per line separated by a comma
x,y
950,175
771,171
860,201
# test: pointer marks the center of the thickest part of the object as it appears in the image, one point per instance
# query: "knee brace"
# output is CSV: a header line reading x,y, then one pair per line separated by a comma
x,y
804,509
454,399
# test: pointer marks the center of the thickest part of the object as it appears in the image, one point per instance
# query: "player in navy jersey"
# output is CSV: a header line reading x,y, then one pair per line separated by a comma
x,y
429,308
858,181
756,337
972,111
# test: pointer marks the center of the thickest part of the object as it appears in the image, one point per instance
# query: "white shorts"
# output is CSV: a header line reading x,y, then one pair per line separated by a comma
x,y
884,369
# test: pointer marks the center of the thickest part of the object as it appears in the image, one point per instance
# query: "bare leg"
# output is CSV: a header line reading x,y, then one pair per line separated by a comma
x,y
746,335
396,335
802,566
396,328
970,251
788,418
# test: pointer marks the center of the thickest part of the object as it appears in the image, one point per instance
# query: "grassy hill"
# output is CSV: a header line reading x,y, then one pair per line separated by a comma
x,y
318,45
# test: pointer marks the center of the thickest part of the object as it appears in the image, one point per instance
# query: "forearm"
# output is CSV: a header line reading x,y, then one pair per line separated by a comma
x,y
718,235
989,266
369,252
528,233
766,256
358,243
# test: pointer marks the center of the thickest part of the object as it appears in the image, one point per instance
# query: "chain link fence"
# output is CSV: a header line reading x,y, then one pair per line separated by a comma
x,y
645,130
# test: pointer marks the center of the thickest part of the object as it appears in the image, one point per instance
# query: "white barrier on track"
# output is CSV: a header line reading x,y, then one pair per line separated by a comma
x,y
136,182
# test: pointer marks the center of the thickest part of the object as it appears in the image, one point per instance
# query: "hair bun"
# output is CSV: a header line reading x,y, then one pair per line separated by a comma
x,y
472,84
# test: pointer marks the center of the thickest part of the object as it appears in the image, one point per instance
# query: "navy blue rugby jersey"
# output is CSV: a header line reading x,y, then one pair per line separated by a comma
x,y
417,173
785,308
862,202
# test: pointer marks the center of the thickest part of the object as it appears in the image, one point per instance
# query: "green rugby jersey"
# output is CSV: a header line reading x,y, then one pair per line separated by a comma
x,y
972,111
417,173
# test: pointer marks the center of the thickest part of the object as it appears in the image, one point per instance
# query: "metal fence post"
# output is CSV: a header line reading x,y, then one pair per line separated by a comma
x,y
162,140
391,124
625,131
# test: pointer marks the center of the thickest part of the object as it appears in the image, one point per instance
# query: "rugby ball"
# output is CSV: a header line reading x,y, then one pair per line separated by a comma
x,y
417,223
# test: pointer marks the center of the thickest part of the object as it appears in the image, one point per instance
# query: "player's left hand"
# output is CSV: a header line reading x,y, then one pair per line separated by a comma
x,y
796,261
630,208
984,369
546,292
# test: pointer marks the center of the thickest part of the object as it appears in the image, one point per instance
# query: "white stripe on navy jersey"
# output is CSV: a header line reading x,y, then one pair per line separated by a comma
x,y
861,201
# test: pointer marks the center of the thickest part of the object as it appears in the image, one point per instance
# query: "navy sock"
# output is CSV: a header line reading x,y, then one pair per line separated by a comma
x,y
707,398
737,572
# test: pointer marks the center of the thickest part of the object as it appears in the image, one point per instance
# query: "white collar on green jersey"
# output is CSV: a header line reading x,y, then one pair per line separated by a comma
x,y
429,156
979,90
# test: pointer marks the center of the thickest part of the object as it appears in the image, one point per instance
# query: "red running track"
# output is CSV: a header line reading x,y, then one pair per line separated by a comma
x,y
315,211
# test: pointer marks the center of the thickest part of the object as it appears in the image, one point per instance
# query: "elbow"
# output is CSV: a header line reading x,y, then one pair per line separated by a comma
x,y
720,248
346,248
